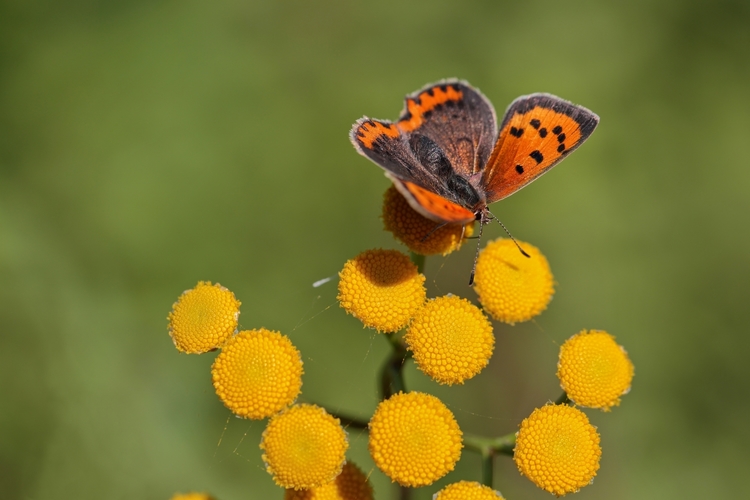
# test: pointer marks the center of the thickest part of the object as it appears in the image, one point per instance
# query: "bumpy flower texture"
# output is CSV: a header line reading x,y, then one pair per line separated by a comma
x,y
451,339
467,490
593,370
304,447
414,439
382,288
351,484
558,449
203,318
512,287
417,232
192,496
257,374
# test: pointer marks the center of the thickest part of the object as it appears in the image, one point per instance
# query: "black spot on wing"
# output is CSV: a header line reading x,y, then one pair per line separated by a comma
x,y
537,155
561,138
557,130
542,132
535,123
516,132
561,148
519,169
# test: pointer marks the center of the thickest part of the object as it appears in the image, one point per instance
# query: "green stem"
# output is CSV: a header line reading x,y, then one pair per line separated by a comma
x,y
418,260
501,445
487,466
404,493
487,449
563,400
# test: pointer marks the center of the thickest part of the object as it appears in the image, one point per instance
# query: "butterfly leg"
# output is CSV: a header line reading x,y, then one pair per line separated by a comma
x,y
432,231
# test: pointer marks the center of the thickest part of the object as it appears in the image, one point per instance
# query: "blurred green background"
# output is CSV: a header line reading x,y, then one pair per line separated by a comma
x,y
147,145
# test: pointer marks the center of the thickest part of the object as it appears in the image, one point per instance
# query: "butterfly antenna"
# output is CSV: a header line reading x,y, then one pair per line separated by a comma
x,y
476,255
510,235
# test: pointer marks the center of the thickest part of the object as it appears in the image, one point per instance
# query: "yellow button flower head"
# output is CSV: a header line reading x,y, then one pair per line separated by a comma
x,y
467,490
512,287
593,370
558,449
451,339
381,288
258,373
192,496
417,232
414,439
351,484
304,447
203,318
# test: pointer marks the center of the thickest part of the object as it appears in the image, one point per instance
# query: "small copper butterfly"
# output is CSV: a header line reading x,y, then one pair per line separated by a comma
x,y
446,157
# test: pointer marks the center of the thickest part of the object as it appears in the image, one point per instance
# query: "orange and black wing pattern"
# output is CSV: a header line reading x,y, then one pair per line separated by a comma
x,y
384,143
431,205
457,118
537,132
418,169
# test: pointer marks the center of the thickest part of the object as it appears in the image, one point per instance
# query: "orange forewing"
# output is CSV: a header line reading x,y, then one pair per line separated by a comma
x,y
370,130
412,116
431,205
528,145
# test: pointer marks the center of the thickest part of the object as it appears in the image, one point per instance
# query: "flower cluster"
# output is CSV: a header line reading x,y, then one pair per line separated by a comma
x,y
414,438
258,375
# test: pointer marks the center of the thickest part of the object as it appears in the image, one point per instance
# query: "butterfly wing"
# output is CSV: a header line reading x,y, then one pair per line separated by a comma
x,y
537,132
418,170
457,118
431,205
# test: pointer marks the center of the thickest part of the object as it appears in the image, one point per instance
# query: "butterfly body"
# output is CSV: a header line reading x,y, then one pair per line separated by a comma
x,y
447,157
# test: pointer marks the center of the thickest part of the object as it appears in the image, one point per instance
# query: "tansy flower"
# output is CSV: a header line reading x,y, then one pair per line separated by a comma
x,y
304,447
258,373
558,449
420,234
203,318
414,439
192,496
593,370
381,288
511,286
467,490
451,339
351,484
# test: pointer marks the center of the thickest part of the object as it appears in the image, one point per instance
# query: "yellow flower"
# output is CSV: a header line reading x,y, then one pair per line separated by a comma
x,y
417,232
451,339
351,484
467,490
558,449
304,447
258,373
381,288
414,439
203,318
593,370
512,287
192,496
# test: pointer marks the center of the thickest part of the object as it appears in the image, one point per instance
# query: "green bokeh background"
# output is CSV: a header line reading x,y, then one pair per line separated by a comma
x,y
147,145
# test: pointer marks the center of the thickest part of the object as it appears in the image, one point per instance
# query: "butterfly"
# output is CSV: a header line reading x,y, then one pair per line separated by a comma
x,y
447,158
